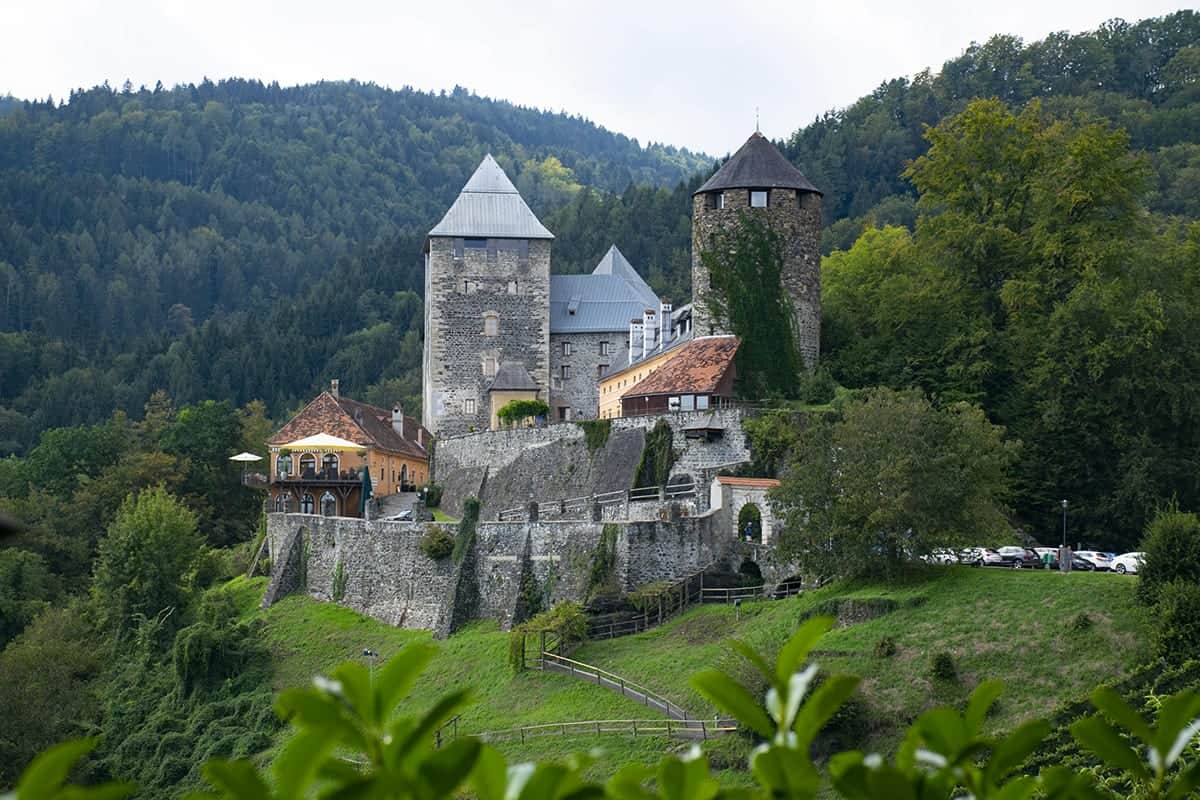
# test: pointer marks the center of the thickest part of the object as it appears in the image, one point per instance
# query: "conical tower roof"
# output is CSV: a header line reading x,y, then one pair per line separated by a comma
x,y
757,165
489,205
614,263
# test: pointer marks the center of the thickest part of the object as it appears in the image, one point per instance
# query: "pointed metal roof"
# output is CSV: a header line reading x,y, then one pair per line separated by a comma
x,y
490,206
513,377
615,263
757,164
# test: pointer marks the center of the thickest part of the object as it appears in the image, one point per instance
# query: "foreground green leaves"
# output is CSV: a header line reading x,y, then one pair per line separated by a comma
x,y
351,742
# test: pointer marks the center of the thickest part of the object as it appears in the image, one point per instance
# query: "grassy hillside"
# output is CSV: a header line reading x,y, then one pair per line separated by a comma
x,y
1019,627
307,638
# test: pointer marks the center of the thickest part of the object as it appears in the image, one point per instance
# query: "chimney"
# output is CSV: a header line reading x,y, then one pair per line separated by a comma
x,y
420,437
333,388
649,328
664,308
398,419
635,339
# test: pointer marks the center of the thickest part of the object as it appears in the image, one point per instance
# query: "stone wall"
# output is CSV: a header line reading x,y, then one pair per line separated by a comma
x,y
580,391
553,462
388,578
513,284
795,215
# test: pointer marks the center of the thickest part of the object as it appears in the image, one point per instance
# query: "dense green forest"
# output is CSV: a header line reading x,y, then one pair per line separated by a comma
x,y
147,236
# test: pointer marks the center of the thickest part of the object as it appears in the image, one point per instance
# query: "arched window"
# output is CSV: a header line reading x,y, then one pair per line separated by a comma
x,y
278,503
308,464
330,464
328,505
287,502
283,465
404,477
306,504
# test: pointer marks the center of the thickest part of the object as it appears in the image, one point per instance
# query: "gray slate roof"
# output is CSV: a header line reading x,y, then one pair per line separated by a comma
x,y
490,206
604,301
513,377
757,165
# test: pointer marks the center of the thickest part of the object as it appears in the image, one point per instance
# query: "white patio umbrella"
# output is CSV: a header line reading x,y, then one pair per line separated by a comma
x,y
245,458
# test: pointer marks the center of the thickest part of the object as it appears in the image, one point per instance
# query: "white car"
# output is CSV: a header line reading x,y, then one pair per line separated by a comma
x,y
981,557
1099,560
1128,563
941,556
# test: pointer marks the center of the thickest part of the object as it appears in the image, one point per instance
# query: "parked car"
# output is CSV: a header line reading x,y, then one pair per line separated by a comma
x,y
981,557
1020,557
940,556
1097,559
1128,563
1080,564
403,516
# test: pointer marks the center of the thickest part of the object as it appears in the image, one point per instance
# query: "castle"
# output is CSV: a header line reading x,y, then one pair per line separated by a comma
x,y
500,327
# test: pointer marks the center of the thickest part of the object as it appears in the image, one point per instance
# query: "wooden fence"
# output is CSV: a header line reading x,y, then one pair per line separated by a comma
x,y
609,680
674,728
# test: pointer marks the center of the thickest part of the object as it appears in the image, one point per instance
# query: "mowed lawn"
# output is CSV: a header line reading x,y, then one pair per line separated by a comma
x,y
1021,627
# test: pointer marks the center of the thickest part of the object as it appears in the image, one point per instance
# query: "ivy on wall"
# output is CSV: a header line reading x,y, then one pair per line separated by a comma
x,y
748,299
658,456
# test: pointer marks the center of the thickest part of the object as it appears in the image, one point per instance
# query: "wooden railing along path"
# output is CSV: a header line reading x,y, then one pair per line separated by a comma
x,y
673,728
613,682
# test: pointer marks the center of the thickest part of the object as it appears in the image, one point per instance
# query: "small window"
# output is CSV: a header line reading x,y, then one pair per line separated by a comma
x,y
601,371
564,414
566,372
758,198
491,325
283,465
701,402
512,287
475,244
566,348
469,405
604,349
715,200
489,367
307,506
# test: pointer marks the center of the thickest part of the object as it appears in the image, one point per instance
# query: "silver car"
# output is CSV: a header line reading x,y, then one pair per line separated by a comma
x,y
1099,560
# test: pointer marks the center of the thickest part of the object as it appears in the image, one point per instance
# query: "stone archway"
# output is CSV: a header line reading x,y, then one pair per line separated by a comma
x,y
750,523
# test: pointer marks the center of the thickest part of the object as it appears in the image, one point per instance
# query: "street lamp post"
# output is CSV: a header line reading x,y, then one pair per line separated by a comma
x,y
371,655
1064,508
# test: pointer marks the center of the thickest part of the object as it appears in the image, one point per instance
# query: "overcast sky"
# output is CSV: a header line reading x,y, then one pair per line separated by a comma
x,y
686,73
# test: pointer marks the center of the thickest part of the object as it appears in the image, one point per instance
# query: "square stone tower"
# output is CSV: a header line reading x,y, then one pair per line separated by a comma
x,y
759,180
487,301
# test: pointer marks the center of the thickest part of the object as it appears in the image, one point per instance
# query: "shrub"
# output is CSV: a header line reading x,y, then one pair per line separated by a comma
x,y
646,597
816,388
437,543
1172,547
339,582
516,411
1177,621
1081,622
942,667
885,647
433,495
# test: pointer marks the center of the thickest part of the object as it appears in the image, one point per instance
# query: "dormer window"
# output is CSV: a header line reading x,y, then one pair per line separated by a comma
x,y
758,198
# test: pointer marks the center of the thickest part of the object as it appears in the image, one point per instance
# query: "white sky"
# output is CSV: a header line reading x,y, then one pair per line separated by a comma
x,y
686,73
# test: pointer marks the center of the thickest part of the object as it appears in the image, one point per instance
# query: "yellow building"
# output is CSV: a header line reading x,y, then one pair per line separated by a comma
x,y
613,386
512,382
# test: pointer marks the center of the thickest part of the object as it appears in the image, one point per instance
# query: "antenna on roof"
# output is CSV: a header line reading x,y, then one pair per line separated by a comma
x,y
756,129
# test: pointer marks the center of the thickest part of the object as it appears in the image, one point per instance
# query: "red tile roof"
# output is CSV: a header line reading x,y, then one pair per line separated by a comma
x,y
697,368
764,483
357,422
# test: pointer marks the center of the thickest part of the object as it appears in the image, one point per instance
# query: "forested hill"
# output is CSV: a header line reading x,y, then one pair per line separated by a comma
x,y
129,218
1143,77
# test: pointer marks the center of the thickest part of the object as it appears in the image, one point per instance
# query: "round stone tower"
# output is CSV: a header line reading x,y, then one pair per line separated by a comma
x,y
759,180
